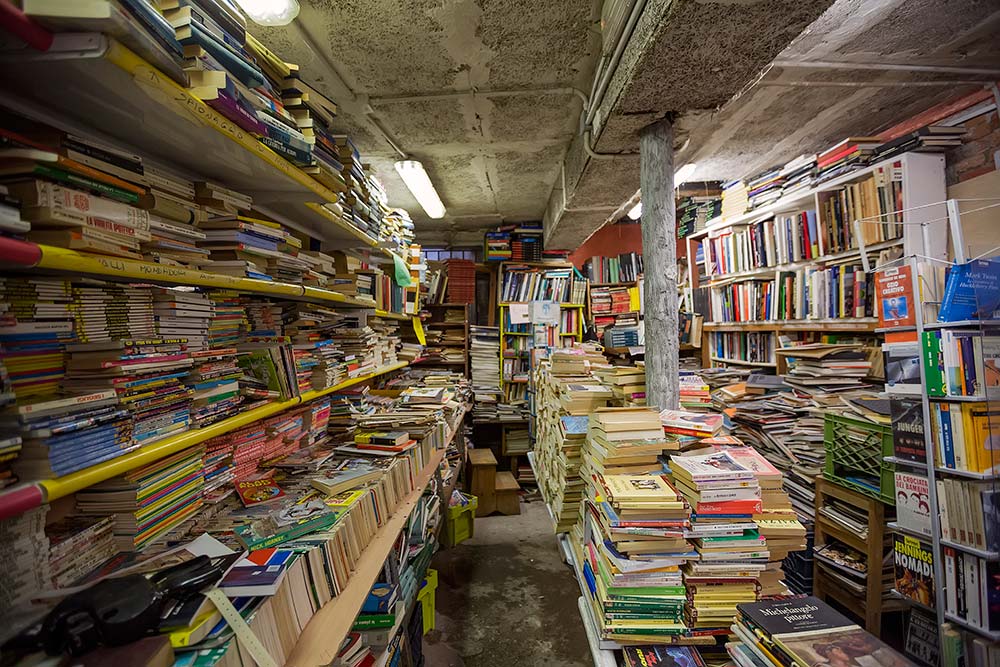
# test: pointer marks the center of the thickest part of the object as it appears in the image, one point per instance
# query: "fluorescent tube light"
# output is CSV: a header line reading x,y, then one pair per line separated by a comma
x,y
635,212
270,12
419,184
683,174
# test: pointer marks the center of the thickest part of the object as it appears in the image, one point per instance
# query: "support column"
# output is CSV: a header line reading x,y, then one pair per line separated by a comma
x,y
659,256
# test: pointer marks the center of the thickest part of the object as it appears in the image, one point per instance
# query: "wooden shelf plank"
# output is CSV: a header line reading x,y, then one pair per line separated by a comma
x,y
319,642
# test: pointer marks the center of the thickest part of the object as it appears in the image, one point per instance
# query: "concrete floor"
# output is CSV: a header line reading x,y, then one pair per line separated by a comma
x,y
506,599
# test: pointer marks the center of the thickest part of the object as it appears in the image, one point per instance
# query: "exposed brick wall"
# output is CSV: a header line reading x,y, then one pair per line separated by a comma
x,y
979,152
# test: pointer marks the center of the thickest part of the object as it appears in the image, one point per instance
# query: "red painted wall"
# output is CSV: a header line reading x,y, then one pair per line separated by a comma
x,y
614,240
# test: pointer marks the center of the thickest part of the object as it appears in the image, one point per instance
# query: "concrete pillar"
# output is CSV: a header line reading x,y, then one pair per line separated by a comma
x,y
659,256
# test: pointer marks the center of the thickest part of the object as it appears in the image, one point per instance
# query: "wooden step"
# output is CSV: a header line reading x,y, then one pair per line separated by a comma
x,y
482,457
506,482
507,498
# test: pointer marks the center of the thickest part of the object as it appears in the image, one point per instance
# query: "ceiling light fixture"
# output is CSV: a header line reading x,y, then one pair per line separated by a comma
x,y
419,184
270,12
635,212
683,174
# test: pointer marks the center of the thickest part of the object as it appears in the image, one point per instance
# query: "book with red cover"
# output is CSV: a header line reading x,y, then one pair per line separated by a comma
x,y
258,491
894,298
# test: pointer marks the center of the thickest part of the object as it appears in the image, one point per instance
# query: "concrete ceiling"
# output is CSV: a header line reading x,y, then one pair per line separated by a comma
x,y
484,93
772,88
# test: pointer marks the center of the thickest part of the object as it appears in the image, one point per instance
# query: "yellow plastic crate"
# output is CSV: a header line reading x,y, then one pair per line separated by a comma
x,y
460,522
426,597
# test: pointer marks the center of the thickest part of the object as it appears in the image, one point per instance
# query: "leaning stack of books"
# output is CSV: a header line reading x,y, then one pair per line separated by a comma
x,y
804,631
630,547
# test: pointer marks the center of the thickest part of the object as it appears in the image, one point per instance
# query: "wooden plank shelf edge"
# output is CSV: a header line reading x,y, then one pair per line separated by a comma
x,y
320,640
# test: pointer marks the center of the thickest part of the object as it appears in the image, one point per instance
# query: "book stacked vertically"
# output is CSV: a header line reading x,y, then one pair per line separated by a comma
x,y
627,382
630,544
567,393
765,187
735,200
146,375
35,323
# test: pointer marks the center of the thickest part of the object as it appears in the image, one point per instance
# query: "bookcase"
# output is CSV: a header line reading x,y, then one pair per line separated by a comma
x,y
945,428
93,86
795,265
448,331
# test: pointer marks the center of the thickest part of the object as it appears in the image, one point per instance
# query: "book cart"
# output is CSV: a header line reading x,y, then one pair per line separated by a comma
x,y
950,568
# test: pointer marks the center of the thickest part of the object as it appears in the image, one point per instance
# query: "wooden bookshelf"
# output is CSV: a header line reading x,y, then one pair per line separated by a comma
x,y
321,639
105,89
922,185
12,500
464,324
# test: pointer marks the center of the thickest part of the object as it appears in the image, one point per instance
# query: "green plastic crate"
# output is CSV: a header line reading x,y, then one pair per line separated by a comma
x,y
852,447
460,522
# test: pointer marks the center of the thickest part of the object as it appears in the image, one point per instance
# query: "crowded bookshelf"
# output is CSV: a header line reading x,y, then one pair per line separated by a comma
x,y
323,336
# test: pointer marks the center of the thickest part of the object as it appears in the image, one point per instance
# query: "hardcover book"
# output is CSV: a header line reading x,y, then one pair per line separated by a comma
x,y
811,632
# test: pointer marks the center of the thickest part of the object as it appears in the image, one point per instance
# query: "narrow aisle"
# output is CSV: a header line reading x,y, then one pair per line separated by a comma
x,y
505,598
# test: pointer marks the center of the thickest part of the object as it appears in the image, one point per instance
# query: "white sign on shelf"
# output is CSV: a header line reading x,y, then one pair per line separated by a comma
x,y
545,312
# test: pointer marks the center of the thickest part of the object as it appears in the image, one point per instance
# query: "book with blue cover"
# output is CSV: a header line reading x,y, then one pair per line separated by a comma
x,y
971,291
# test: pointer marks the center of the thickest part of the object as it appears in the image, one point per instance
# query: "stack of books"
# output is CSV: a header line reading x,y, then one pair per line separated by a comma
x,y
461,281
803,631
823,367
627,382
624,441
724,496
631,545
693,213
927,139
566,393
847,155
734,199
695,394
799,174
765,187
497,247
146,375
142,510
36,322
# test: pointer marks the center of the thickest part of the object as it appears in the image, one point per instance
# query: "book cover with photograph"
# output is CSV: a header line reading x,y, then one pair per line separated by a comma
x,y
913,563
908,429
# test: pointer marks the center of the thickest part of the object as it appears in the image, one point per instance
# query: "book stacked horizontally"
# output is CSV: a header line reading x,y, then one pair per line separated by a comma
x,y
624,441
694,392
35,323
724,496
58,436
735,200
630,545
567,393
628,383
824,367
148,502
146,375
804,631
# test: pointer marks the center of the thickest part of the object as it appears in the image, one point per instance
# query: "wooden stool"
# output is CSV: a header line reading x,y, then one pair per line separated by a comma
x,y
508,500
483,480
